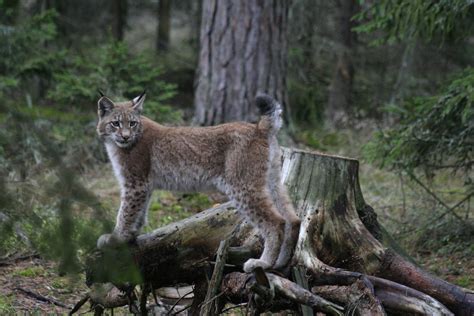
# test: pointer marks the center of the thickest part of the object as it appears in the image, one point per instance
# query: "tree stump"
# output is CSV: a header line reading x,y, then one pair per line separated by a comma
x,y
342,231
340,244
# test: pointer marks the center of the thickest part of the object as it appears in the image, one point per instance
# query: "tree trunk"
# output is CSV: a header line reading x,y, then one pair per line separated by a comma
x,y
164,23
339,232
119,18
243,52
340,90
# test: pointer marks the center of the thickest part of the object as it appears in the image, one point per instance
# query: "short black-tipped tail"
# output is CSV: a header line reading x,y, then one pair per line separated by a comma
x,y
266,104
271,112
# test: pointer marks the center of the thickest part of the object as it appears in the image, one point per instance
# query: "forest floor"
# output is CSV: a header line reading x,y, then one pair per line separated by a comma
x,y
445,251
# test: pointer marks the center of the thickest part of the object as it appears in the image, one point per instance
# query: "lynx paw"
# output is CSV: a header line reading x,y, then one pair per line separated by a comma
x,y
108,241
251,264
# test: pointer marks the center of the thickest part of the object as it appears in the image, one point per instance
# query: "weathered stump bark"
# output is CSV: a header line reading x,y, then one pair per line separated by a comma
x,y
339,234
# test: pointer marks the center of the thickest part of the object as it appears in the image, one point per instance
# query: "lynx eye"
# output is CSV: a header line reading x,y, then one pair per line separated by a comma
x,y
115,123
133,123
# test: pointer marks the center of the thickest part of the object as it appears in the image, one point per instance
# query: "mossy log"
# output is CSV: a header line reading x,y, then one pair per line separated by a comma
x,y
340,242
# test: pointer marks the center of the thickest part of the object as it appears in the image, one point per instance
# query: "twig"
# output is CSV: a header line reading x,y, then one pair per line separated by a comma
x,y
182,310
216,279
12,259
455,166
212,299
179,300
455,206
468,208
449,209
79,304
440,216
228,265
402,187
42,298
233,307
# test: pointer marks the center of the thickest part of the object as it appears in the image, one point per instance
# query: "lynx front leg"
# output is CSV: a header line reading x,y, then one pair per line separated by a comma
x,y
131,216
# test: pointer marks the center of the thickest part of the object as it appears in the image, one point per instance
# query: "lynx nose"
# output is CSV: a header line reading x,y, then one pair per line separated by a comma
x,y
125,135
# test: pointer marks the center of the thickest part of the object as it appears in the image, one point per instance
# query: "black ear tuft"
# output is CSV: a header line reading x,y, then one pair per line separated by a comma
x,y
140,97
138,102
101,93
104,105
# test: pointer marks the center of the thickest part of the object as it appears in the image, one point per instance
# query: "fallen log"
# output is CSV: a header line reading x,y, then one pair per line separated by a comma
x,y
339,234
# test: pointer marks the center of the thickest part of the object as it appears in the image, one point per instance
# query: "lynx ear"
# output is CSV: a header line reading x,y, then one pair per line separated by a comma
x,y
104,105
138,102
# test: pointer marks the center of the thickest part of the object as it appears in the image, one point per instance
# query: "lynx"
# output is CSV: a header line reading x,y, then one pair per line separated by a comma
x,y
241,160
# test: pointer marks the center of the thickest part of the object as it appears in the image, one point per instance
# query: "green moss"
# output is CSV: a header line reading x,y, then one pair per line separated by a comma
x,y
465,281
6,306
155,206
59,283
31,272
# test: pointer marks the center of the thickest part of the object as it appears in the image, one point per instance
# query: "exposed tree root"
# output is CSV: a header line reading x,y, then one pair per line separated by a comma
x,y
277,291
356,297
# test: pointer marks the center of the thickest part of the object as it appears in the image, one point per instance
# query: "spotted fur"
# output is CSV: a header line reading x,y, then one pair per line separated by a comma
x,y
240,159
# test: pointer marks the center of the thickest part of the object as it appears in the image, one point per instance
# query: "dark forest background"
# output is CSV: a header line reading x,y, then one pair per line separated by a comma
x,y
390,83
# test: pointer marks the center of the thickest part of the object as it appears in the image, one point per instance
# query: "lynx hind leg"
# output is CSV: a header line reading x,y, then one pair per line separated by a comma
x,y
292,228
257,206
285,207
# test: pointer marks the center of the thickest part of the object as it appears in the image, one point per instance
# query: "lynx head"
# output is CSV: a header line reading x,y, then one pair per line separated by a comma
x,y
120,122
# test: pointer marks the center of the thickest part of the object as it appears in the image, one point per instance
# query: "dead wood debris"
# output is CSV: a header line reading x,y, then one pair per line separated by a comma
x,y
42,298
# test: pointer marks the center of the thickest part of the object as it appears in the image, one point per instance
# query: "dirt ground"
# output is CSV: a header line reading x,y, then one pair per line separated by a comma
x,y
38,276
